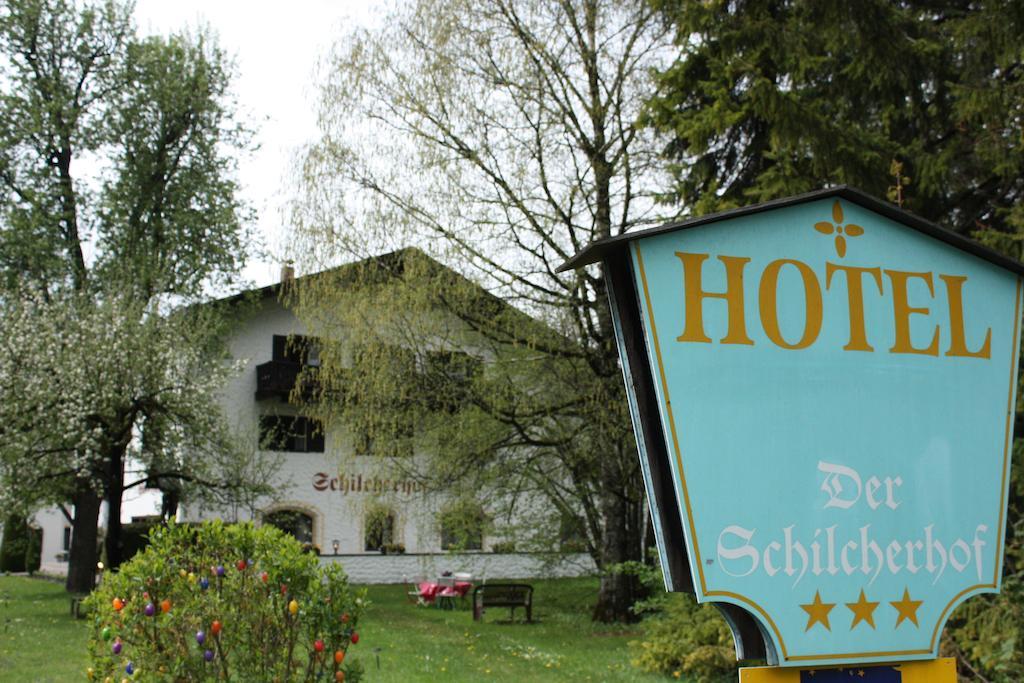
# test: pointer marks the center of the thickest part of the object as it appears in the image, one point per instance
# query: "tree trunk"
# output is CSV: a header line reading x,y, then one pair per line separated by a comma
x,y
114,491
623,542
84,534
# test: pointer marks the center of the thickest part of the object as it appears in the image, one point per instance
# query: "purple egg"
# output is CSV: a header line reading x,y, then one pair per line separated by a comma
x,y
150,609
204,583
220,570
208,655
200,637
116,647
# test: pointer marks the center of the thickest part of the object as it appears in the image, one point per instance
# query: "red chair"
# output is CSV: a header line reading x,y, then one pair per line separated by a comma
x,y
425,592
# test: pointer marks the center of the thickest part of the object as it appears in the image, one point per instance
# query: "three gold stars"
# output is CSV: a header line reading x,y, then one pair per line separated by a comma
x,y
863,610
907,608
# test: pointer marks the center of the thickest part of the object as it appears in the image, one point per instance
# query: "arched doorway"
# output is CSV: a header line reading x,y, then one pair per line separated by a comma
x,y
294,522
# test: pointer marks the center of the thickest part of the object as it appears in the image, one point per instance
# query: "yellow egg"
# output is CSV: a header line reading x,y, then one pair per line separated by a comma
x,y
191,577
293,607
90,673
182,573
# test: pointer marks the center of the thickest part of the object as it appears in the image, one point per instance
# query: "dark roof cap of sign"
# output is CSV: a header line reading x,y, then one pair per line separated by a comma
x,y
596,251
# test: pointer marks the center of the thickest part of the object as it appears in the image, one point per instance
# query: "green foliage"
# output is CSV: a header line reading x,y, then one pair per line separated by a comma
x,y
686,637
34,549
463,525
986,633
680,636
769,98
272,601
15,544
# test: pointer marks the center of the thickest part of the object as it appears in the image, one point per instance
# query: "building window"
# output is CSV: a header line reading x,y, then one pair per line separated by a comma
x,y
296,349
462,526
380,529
394,438
293,522
571,535
294,434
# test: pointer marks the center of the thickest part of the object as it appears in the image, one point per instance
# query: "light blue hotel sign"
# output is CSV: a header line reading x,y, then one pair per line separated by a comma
x,y
834,384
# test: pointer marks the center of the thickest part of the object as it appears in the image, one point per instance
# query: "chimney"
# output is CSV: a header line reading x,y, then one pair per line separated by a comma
x,y
287,271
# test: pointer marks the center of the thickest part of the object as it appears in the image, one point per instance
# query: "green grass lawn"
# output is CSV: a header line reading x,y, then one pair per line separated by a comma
x,y
424,643
39,641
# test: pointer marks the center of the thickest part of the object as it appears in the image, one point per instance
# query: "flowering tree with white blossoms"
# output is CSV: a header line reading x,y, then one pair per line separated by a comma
x,y
86,387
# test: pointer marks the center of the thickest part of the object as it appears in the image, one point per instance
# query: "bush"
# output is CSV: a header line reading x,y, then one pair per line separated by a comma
x,y
224,602
680,636
33,549
688,638
15,544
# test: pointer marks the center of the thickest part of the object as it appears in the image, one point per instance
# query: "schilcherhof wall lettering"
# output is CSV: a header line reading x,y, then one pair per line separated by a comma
x,y
856,549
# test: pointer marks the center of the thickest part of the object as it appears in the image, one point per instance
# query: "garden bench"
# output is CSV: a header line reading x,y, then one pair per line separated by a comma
x,y
509,595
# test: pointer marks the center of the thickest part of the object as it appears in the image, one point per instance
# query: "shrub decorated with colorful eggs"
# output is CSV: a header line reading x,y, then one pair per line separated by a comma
x,y
218,602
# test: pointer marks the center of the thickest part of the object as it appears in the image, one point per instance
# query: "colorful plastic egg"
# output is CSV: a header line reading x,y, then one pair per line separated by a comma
x,y
118,604
215,627
200,637
106,633
208,655
165,605
116,647
129,668
220,570
150,609
204,583
293,607
339,656
355,637
241,565
318,645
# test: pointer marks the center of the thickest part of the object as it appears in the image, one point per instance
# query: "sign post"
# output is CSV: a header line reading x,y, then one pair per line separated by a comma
x,y
822,390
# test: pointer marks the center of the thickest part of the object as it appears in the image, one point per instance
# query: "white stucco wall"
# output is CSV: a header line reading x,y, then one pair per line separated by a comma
x,y
375,568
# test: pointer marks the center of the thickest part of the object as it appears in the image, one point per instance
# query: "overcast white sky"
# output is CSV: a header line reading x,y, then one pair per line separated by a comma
x,y
276,46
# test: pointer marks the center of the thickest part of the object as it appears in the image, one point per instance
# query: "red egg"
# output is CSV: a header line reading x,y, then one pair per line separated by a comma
x,y
264,577
215,627
118,604
318,645
165,606
355,637
241,565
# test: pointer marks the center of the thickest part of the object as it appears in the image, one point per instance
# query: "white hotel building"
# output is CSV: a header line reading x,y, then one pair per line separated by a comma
x,y
382,530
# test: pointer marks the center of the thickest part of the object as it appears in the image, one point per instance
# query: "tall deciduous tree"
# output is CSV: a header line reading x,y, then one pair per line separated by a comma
x,y
154,215
499,137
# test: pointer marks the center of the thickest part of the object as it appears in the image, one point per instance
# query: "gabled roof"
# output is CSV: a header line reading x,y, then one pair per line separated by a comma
x,y
391,263
598,250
